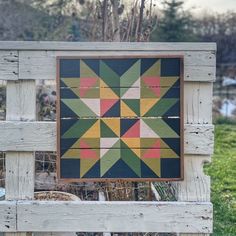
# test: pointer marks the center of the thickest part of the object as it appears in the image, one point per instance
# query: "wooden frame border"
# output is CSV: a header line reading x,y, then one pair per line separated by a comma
x,y
102,180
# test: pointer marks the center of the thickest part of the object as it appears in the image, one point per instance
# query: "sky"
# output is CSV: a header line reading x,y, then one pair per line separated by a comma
x,y
211,5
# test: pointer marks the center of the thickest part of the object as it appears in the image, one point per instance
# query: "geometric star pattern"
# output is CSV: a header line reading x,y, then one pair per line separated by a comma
x,y
119,118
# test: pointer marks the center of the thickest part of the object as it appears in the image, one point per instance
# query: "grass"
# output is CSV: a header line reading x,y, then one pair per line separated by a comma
x,y
223,176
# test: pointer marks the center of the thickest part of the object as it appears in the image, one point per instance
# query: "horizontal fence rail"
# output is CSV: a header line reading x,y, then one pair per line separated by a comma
x,y
198,66
87,216
41,136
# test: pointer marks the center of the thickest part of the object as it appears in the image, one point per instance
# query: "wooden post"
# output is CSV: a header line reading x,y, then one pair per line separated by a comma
x,y
21,105
196,185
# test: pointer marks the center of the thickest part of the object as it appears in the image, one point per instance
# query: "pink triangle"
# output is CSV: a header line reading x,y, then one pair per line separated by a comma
x,y
157,144
154,84
106,104
152,81
152,153
82,144
156,90
133,132
86,84
87,153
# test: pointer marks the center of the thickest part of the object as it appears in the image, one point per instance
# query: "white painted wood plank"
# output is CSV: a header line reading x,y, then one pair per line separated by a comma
x,y
198,109
41,136
114,216
88,46
21,100
198,66
198,103
199,139
196,185
7,216
21,105
19,175
8,65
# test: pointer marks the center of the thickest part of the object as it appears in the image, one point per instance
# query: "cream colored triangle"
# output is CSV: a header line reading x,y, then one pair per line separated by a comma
x,y
85,71
146,104
106,144
146,131
136,151
136,83
92,104
126,111
86,165
94,131
154,70
132,93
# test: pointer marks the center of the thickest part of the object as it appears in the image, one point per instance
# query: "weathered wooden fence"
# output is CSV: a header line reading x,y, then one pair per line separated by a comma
x,y
21,63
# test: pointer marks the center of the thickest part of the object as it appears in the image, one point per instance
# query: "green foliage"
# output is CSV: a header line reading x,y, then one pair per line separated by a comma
x,y
175,25
225,120
223,176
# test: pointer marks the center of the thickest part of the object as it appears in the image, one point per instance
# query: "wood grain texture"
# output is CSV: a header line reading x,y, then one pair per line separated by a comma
x,y
196,185
21,100
101,46
41,136
114,216
21,105
20,175
198,103
7,216
8,65
199,139
197,66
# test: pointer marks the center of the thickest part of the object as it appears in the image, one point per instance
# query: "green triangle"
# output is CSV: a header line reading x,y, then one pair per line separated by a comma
x,y
168,81
71,82
86,71
132,160
154,70
161,107
109,76
131,75
133,104
92,93
78,107
79,128
117,144
160,128
146,92
108,160
106,131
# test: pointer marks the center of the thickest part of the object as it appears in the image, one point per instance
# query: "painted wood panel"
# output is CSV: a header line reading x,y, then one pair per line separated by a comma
x,y
120,118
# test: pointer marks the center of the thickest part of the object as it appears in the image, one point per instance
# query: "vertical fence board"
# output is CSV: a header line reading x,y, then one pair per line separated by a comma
x,y
198,110
21,105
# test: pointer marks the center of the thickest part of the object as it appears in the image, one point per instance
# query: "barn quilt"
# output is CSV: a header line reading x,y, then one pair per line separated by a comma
x,y
119,118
